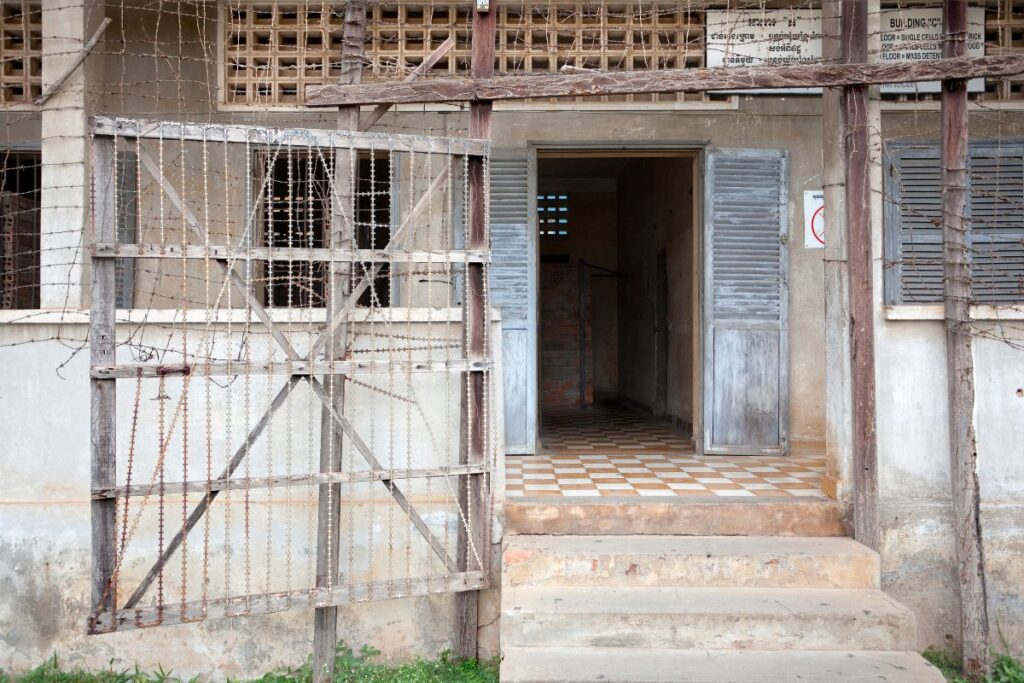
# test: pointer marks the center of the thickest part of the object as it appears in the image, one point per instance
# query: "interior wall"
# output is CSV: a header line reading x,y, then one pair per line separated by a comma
x,y
593,238
655,214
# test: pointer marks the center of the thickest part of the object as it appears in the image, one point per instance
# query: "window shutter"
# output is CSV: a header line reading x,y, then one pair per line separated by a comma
x,y
997,224
746,355
513,289
913,240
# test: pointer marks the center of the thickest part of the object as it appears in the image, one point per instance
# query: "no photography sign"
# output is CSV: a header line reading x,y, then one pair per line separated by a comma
x,y
814,219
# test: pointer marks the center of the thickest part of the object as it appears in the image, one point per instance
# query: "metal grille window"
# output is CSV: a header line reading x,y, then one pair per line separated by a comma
x,y
914,259
21,51
553,214
271,52
297,214
19,230
127,227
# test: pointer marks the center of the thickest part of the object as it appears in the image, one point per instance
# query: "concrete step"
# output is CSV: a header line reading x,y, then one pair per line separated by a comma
x,y
697,561
711,618
682,517
634,665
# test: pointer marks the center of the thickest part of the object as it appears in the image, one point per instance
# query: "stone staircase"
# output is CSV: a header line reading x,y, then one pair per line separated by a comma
x,y
590,602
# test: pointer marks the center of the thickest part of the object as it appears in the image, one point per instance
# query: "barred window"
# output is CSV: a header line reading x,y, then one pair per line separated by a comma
x,y
21,51
19,229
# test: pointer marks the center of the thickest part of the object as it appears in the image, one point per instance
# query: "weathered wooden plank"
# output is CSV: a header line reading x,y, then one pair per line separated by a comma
x,y
862,328
297,368
425,66
957,299
246,253
486,88
200,509
103,406
473,528
129,619
283,137
292,480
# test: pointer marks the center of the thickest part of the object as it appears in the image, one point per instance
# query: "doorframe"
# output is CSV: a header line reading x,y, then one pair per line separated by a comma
x,y
697,151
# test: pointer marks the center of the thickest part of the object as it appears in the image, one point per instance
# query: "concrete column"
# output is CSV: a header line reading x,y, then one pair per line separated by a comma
x,y
64,197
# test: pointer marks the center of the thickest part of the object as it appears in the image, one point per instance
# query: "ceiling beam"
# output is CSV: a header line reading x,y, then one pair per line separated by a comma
x,y
663,81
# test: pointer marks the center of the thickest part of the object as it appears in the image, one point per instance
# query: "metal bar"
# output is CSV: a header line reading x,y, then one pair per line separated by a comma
x,y
403,502
263,603
293,480
284,137
234,277
244,254
203,505
295,368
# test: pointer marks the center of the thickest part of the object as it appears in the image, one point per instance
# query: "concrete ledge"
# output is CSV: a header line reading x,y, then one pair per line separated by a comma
x,y
684,517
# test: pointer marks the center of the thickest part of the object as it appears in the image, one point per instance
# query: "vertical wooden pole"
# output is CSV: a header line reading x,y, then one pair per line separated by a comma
x,y
838,422
473,447
861,278
102,391
325,619
963,449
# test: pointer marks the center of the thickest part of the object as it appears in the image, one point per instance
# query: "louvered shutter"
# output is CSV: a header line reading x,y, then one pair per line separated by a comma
x,y
997,223
913,239
513,278
746,302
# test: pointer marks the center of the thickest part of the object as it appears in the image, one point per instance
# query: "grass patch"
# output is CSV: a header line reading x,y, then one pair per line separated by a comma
x,y
349,667
1005,669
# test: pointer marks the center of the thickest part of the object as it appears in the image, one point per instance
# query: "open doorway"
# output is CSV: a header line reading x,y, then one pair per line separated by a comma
x,y
618,312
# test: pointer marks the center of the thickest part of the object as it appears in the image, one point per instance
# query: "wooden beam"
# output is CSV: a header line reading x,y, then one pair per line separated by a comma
x,y
269,603
417,73
339,295
963,447
103,404
858,238
487,88
54,87
297,368
473,526
284,137
246,253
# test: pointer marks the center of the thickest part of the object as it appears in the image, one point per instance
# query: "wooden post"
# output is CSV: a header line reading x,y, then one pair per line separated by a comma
x,y
102,391
473,447
838,429
339,289
963,449
861,278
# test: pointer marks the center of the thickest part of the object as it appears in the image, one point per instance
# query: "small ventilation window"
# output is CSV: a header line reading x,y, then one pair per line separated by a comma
x,y
553,215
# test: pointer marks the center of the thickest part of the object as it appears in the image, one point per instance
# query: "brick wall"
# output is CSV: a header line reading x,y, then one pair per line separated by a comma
x,y
559,337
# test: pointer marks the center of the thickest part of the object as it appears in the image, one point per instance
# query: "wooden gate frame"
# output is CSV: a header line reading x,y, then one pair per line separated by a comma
x,y
105,615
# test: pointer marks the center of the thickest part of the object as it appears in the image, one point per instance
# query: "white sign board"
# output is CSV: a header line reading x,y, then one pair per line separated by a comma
x,y
915,35
787,36
763,38
814,219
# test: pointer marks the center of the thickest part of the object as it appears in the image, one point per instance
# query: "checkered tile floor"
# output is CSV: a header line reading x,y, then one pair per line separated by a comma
x,y
652,474
610,430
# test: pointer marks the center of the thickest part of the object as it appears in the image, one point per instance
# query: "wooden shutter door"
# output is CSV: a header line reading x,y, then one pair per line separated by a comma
x,y
513,284
746,350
